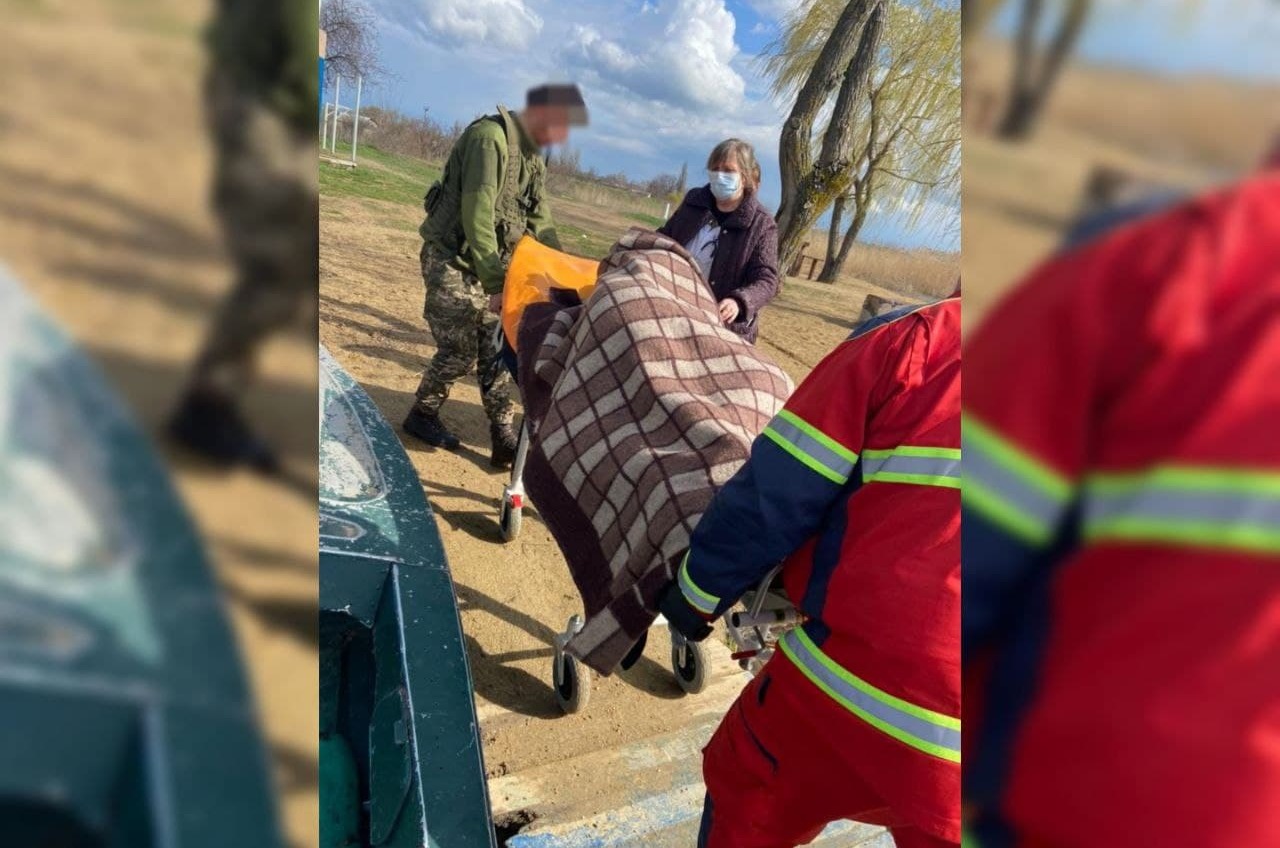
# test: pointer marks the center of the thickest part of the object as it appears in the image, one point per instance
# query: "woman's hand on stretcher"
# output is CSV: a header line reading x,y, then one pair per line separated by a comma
x,y
729,310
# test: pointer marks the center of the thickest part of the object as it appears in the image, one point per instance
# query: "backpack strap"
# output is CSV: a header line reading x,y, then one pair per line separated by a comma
x,y
511,184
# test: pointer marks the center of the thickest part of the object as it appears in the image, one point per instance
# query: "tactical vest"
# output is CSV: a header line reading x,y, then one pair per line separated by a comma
x,y
443,201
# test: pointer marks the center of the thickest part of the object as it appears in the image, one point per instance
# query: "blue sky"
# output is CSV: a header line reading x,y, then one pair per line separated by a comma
x,y
665,80
1237,38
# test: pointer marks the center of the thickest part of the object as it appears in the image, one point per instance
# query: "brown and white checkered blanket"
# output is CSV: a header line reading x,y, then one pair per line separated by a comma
x,y
640,405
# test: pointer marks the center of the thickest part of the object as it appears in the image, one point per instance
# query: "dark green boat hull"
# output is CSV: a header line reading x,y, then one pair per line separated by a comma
x,y
396,703
125,717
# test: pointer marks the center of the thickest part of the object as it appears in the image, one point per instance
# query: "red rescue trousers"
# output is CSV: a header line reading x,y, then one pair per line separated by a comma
x,y
771,782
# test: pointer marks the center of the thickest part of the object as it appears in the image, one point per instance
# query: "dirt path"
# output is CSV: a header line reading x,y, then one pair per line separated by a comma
x,y
103,215
513,597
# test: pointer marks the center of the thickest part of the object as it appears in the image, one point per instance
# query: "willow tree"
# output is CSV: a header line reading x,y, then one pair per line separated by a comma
x,y
818,167
904,131
1038,62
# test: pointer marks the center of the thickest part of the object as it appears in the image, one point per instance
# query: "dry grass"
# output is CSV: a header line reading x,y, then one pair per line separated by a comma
x,y
917,274
923,273
1190,121
1188,132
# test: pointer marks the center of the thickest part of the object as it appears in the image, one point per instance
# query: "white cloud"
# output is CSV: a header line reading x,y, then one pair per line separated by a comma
x,y
506,24
663,86
761,28
681,56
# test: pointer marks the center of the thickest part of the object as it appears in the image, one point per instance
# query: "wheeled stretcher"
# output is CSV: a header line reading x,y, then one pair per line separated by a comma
x,y
534,273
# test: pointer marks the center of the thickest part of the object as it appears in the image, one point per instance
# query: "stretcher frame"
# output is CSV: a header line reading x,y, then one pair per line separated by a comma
x,y
753,631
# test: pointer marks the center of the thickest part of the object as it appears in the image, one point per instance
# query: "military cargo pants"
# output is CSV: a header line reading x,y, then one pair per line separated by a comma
x,y
266,197
457,311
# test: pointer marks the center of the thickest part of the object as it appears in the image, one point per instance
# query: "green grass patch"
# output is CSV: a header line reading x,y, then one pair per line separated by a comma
x,y
378,176
650,221
404,180
580,242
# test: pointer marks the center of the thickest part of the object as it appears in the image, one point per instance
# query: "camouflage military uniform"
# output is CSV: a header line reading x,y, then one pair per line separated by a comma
x,y
261,98
491,193
457,311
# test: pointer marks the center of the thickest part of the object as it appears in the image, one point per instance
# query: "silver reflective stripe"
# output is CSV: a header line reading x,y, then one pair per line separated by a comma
x,y
901,466
839,466
1186,506
922,729
699,599
982,472
1159,504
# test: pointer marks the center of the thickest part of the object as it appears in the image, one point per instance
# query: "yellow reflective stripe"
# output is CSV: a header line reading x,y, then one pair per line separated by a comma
x,y
913,464
923,729
819,436
1185,506
1014,459
1008,487
697,597
804,458
813,448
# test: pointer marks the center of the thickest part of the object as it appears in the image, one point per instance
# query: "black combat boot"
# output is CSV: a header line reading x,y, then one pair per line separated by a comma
x,y
211,425
504,445
430,429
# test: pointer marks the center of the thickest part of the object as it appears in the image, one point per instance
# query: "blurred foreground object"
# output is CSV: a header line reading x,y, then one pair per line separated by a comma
x,y
1121,543
125,718
400,755
262,95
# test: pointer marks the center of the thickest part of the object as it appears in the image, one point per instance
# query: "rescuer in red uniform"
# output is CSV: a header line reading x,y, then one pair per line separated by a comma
x,y
855,484
1122,539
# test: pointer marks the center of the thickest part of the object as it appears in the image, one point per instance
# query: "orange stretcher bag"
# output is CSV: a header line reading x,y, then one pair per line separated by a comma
x,y
534,271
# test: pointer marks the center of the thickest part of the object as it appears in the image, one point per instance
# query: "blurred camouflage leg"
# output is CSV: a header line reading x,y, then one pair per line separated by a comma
x,y
267,200
266,197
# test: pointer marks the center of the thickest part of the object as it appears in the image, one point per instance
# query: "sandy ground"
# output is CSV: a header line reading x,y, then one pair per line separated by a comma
x,y
513,597
104,166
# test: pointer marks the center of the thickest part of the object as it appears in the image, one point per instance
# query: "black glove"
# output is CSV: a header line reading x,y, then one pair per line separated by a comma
x,y
681,616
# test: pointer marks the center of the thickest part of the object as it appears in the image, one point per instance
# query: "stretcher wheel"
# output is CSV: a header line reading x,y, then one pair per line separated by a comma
x,y
572,682
692,673
509,520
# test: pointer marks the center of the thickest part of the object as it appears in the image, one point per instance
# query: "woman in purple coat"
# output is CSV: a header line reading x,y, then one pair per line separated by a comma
x,y
731,236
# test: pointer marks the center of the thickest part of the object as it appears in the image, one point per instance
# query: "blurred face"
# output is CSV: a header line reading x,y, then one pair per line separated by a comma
x,y
547,125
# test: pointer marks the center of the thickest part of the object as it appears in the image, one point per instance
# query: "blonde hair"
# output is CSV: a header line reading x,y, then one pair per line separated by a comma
x,y
742,154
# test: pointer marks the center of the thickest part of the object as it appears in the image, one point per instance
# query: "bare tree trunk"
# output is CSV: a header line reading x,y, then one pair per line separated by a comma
x,y
810,189
861,200
833,241
850,236
1032,83
1024,58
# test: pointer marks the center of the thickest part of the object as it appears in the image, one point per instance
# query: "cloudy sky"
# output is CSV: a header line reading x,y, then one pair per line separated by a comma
x,y
665,80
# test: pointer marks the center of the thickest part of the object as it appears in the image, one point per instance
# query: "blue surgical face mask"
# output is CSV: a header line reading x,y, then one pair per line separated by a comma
x,y
724,184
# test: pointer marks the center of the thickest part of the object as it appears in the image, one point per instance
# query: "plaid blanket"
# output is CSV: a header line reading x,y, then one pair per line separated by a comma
x,y
640,405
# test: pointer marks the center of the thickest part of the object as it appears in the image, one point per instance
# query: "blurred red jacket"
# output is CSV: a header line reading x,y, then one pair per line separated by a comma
x,y
1121,541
